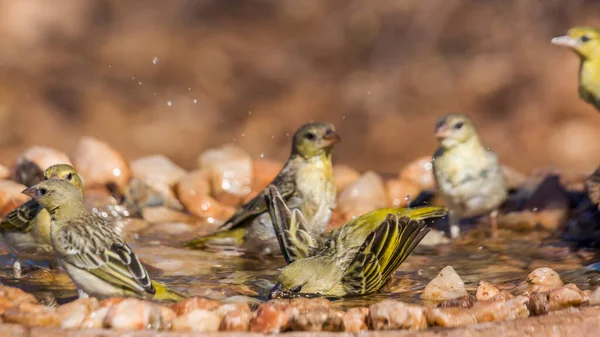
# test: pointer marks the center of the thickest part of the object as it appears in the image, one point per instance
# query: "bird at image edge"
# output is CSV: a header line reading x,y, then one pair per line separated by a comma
x,y
585,42
305,183
94,256
468,175
26,229
358,259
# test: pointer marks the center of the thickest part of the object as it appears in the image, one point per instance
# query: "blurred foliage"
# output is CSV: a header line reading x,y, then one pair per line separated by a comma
x,y
252,71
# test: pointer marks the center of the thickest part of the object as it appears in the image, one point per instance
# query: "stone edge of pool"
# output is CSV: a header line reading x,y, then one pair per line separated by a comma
x,y
578,322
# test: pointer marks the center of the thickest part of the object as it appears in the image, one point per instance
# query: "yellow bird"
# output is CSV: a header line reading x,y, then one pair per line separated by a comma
x,y
358,259
468,175
305,182
95,257
585,41
26,229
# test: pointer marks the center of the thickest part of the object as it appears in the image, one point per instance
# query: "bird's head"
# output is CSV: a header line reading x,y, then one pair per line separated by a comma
x,y
585,41
54,193
303,278
315,139
454,129
64,172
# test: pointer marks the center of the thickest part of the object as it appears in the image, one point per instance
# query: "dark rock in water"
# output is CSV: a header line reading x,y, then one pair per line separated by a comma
x,y
28,173
466,301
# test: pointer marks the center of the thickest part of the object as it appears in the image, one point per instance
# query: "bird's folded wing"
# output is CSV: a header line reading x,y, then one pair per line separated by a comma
x,y
95,247
285,185
382,253
21,218
294,238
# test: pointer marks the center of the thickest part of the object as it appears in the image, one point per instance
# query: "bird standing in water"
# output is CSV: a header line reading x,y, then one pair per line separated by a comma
x,y
26,229
94,256
468,175
305,183
358,259
585,41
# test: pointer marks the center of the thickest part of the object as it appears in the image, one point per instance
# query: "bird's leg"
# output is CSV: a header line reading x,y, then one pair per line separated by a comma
x,y
454,224
82,294
494,223
16,268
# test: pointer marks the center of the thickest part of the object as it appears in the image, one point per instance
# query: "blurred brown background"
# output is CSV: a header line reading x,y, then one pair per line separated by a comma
x,y
177,77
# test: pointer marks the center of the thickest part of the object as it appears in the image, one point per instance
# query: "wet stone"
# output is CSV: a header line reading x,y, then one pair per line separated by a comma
x,y
317,320
557,299
269,318
446,285
235,317
230,169
400,192
32,163
459,302
394,315
419,172
100,165
344,176
73,315
11,196
543,279
30,314
143,194
364,195
197,320
134,314
157,168
486,291
193,303
355,319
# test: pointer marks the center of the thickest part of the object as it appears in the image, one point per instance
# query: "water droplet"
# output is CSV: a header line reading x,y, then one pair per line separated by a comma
x,y
535,209
428,166
250,112
189,89
195,101
243,135
344,117
368,92
133,77
110,66
153,94
116,172
262,155
140,83
287,134
169,103
272,137
155,60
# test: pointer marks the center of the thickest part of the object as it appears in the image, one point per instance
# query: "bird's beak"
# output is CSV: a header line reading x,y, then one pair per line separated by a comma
x,y
442,132
332,137
275,292
564,40
53,176
30,191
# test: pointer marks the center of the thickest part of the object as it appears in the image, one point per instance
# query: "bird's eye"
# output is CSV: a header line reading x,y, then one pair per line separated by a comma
x,y
458,125
584,38
297,289
69,176
42,191
310,136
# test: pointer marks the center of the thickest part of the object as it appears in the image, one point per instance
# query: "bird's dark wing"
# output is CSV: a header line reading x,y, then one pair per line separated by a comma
x,y
21,218
294,238
285,184
382,253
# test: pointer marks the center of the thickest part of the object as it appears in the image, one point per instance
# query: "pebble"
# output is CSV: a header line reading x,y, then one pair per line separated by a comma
x,y
269,319
193,303
556,299
73,315
317,320
194,190
263,172
419,172
355,319
100,165
142,194
543,279
399,192
230,170
31,314
197,320
446,285
344,176
484,311
32,163
11,196
157,168
486,291
4,172
364,195
134,314
394,315
236,317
